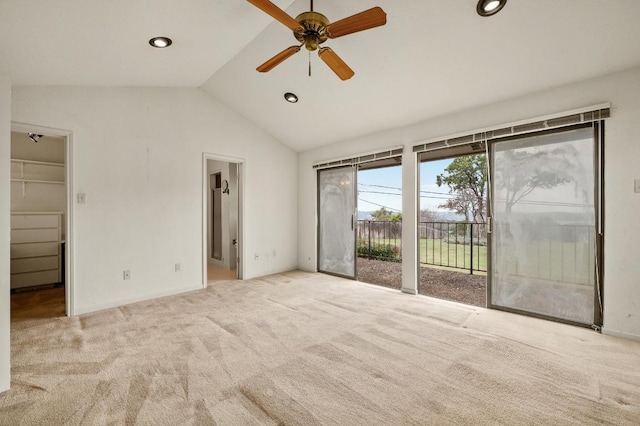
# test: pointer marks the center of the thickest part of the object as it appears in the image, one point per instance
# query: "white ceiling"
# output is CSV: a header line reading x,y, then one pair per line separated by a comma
x,y
432,57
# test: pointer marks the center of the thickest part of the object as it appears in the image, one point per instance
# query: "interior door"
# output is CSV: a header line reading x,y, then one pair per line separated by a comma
x,y
544,225
337,219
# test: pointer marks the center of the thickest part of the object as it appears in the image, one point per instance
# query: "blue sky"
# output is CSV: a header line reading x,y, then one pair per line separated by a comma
x,y
382,187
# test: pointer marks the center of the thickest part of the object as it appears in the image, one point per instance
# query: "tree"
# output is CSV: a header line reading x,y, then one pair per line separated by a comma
x,y
466,178
427,215
384,215
519,172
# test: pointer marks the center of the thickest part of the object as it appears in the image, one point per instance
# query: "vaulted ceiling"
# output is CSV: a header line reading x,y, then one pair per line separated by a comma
x,y
432,58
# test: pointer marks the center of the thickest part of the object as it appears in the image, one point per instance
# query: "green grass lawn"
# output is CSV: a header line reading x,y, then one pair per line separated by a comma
x,y
438,252
550,260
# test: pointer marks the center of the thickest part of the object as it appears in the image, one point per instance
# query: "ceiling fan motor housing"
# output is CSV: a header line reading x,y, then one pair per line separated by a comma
x,y
314,25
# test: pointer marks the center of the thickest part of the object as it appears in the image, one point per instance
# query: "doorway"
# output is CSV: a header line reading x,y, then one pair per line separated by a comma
x,y
337,216
348,238
542,238
41,222
546,207
452,228
379,228
222,218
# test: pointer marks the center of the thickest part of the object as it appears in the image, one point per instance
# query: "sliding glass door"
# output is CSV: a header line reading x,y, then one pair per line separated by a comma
x,y
544,199
337,221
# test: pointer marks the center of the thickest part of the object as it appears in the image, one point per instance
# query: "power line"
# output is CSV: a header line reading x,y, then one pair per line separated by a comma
x,y
377,192
435,198
438,193
546,203
380,205
380,186
400,189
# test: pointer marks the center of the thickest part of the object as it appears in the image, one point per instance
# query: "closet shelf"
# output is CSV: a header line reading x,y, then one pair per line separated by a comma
x,y
37,181
40,163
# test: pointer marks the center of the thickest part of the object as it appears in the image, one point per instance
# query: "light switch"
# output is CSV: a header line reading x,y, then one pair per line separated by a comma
x,y
636,187
82,198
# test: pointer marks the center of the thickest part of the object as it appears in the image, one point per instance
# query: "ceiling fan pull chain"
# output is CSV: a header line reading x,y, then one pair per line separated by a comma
x,y
309,63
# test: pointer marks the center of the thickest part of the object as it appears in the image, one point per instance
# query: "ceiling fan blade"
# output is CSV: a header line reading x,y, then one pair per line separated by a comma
x,y
334,62
371,18
280,57
276,13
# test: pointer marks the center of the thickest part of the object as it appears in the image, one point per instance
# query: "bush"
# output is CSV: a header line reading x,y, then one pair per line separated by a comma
x,y
381,252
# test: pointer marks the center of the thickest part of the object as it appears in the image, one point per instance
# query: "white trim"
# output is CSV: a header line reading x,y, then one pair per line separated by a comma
x,y
123,302
620,334
69,285
241,162
516,123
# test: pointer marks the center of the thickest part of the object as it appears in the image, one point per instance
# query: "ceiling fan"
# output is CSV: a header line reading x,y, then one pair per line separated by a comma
x,y
312,29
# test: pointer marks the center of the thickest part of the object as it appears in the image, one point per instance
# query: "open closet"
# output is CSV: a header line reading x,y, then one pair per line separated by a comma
x,y
38,211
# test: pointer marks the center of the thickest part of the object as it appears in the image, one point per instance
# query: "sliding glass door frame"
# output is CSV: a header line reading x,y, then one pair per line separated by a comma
x,y
598,152
347,224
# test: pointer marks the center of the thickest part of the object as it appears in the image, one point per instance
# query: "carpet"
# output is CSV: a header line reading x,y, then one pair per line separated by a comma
x,y
310,349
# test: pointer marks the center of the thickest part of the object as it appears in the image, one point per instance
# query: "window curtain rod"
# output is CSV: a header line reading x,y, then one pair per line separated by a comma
x,y
379,155
584,115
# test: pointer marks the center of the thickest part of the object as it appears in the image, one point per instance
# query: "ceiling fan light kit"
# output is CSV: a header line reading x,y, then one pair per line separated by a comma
x,y
311,29
490,7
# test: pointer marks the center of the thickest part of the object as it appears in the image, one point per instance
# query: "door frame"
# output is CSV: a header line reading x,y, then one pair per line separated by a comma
x,y
205,219
354,221
69,284
598,152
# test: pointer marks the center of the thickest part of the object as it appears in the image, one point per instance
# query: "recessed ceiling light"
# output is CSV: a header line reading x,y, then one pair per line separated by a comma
x,y
291,97
160,42
490,7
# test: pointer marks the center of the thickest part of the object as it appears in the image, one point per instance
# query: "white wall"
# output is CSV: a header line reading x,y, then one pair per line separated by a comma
x,y
622,150
5,194
137,154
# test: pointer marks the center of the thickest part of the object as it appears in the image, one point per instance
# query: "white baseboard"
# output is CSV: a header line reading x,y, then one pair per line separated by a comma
x,y
81,310
621,334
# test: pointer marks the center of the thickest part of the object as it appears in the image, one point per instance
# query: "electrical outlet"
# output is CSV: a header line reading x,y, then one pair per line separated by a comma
x,y
256,256
126,274
177,267
82,198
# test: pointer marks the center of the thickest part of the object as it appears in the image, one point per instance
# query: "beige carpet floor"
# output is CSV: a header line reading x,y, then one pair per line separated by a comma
x,y
308,349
